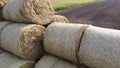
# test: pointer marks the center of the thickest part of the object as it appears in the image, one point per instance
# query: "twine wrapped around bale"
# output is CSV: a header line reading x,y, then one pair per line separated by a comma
x,y
2,4
34,11
60,18
62,39
49,61
8,60
100,48
23,40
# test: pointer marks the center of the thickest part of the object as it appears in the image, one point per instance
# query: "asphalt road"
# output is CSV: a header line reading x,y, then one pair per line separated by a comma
x,y
103,14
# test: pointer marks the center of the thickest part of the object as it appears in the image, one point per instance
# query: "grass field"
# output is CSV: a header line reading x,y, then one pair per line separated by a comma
x,y
66,4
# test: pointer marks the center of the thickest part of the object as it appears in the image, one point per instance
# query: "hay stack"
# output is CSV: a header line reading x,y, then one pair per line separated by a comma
x,y
35,11
8,60
60,18
23,40
100,48
62,39
49,61
3,24
2,4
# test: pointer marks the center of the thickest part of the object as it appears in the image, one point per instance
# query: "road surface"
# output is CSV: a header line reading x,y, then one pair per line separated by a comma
x,y
103,14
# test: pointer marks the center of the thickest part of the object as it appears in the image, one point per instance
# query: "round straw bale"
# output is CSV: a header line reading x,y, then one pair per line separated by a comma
x,y
60,18
100,48
3,24
2,4
23,40
49,61
62,39
8,60
34,11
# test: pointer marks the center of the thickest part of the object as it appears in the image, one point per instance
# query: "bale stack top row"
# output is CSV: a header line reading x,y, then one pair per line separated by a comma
x,y
29,11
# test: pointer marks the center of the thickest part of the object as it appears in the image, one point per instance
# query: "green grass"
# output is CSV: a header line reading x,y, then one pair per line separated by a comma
x,y
67,4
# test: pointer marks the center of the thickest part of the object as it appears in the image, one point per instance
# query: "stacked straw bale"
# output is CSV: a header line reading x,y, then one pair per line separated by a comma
x,y
8,60
31,11
63,40
60,18
100,48
23,40
2,4
3,24
49,61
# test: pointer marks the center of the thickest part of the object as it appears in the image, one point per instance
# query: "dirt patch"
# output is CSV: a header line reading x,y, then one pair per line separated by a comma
x,y
103,14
